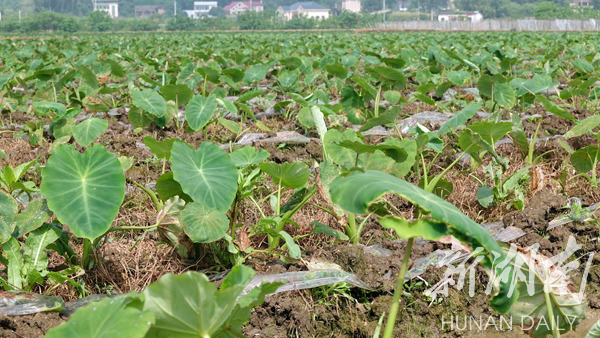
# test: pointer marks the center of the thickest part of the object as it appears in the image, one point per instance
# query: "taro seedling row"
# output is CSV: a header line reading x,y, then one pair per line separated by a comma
x,y
282,153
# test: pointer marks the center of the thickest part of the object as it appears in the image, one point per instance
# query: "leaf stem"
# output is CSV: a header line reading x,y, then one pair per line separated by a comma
x,y
391,322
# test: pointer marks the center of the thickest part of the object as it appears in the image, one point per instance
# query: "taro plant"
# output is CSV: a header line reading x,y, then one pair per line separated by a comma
x,y
292,176
85,191
358,190
187,305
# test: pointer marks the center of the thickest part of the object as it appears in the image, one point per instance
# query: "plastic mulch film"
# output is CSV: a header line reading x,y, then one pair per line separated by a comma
x,y
14,303
75,305
299,280
565,219
501,233
437,258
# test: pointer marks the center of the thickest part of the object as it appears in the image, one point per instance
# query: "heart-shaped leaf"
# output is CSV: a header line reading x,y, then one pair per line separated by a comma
x,y
203,224
85,190
585,158
290,175
247,156
180,93
115,318
491,132
150,101
206,174
189,305
158,148
200,110
87,131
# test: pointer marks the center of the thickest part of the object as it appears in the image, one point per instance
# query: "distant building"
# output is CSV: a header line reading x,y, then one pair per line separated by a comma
x,y
109,6
201,8
308,9
581,3
143,11
474,17
403,6
237,7
353,6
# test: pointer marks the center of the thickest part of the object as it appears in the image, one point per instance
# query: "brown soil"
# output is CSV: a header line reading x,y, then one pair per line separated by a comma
x,y
35,325
125,266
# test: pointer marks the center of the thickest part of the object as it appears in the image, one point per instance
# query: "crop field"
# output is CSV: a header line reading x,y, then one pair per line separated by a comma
x,y
300,185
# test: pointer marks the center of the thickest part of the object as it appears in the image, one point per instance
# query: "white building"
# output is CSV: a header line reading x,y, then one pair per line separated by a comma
x,y
353,6
201,8
308,9
474,17
403,6
109,6
238,7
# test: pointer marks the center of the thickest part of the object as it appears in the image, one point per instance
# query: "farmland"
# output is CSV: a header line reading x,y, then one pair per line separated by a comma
x,y
174,172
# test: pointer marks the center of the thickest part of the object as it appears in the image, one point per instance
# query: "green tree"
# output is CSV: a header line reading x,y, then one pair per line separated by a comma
x,y
217,12
488,8
181,23
99,21
428,5
251,20
545,10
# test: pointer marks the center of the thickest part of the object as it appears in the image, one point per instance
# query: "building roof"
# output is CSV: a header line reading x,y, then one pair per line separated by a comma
x,y
246,3
460,14
305,5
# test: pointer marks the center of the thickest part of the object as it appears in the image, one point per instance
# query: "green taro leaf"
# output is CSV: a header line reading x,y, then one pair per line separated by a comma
x,y
247,156
458,77
388,117
206,174
388,74
504,95
203,224
460,118
189,305
321,228
291,63
584,159
337,70
139,117
256,73
150,101
421,228
85,190
358,190
112,317
392,96
200,111
290,175
554,108
8,215
87,131
58,108
342,156
491,132
158,148
180,93
167,187
584,127
485,196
